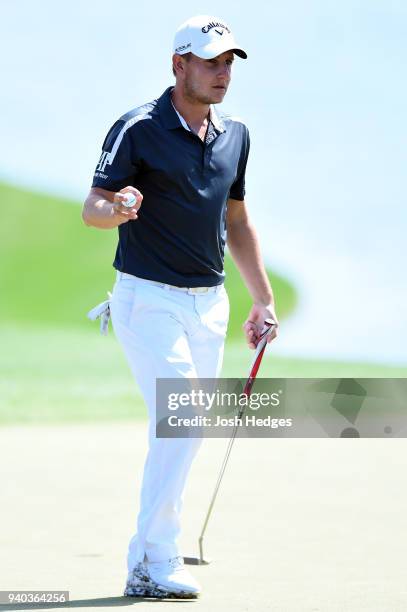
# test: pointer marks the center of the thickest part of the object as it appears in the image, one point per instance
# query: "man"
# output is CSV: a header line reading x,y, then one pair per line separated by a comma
x,y
186,167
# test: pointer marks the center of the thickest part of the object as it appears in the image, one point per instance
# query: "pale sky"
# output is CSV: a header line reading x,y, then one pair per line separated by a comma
x,y
324,95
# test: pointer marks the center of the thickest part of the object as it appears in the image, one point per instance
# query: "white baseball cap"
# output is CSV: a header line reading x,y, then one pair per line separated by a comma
x,y
206,37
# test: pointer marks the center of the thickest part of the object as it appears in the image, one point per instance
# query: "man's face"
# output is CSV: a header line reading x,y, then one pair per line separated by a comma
x,y
207,81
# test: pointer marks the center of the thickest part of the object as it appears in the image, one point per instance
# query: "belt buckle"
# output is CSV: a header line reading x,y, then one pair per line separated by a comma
x,y
199,289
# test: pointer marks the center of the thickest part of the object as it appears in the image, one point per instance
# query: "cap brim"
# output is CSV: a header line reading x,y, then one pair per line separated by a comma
x,y
213,50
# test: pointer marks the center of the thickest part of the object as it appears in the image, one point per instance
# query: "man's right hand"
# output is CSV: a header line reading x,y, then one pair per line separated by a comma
x,y
104,208
124,213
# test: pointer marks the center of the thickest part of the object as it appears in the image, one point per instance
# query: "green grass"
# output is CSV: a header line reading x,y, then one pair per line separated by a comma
x,y
54,268
55,366
57,375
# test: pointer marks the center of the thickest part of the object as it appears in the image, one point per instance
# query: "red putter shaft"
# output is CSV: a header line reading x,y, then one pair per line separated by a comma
x,y
269,326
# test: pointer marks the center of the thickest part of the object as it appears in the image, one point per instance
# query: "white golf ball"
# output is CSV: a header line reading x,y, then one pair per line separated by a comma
x,y
130,200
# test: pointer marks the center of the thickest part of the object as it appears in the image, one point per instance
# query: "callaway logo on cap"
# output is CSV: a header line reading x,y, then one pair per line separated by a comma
x,y
205,37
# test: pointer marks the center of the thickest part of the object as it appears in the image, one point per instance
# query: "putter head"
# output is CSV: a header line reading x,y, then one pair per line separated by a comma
x,y
196,561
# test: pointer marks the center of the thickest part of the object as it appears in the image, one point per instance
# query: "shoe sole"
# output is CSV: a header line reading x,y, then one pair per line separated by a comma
x,y
157,593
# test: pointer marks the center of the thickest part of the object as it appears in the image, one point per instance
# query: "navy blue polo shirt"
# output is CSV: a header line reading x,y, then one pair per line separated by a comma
x,y
179,237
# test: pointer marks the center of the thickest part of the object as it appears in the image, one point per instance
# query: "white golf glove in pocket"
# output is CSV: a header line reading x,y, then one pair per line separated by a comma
x,y
101,311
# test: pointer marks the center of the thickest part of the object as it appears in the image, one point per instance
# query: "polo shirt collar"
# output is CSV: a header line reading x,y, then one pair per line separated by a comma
x,y
172,119
181,119
216,120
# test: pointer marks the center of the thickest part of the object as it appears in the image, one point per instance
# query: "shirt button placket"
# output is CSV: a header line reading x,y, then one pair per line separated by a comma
x,y
206,157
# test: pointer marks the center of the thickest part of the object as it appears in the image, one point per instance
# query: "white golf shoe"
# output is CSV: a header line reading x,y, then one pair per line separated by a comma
x,y
139,583
173,577
162,579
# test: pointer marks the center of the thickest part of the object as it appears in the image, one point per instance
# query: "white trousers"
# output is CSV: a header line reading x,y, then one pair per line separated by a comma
x,y
166,333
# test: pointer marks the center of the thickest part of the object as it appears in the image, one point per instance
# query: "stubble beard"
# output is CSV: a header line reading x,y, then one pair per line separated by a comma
x,y
194,96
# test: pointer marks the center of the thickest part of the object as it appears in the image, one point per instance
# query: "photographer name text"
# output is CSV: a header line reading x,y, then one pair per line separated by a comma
x,y
235,421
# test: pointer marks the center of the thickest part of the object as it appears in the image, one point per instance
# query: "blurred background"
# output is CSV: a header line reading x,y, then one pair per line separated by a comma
x,y
324,96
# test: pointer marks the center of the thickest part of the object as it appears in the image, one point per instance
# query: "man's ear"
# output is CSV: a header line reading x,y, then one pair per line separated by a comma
x,y
177,63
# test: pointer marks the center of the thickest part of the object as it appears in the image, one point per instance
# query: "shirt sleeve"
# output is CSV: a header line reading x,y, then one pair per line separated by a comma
x,y
117,166
238,190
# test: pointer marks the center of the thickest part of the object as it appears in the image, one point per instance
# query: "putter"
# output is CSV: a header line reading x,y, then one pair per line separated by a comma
x,y
258,356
